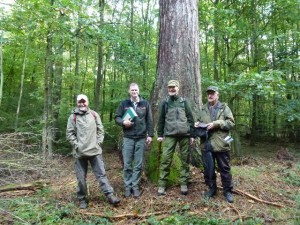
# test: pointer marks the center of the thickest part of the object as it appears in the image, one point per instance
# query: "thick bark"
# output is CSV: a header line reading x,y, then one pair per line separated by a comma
x,y
178,51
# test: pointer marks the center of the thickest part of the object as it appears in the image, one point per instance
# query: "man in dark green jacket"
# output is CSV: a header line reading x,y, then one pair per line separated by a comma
x,y
219,121
175,125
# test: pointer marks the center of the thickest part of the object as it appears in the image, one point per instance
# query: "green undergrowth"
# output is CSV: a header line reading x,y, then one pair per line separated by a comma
x,y
41,209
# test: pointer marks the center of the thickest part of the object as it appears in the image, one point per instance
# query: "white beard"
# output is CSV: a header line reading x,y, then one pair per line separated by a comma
x,y
83,109
172,93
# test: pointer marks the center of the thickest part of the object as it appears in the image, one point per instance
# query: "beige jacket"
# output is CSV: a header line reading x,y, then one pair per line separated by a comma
x,y
85,132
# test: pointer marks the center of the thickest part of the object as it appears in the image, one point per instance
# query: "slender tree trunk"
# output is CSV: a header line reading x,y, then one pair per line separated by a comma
x,y
57,88
47,116
78,86
1,70
216,43
178,51
21,84
100,57
146,41
47,135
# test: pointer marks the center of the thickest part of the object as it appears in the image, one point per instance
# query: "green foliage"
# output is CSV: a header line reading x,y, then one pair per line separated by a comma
x,y
42,209
186,219
34,210
293,176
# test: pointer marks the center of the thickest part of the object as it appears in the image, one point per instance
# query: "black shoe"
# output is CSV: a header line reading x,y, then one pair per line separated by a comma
x,y
136,193
83,204
113,200
210,193
127,193
228,196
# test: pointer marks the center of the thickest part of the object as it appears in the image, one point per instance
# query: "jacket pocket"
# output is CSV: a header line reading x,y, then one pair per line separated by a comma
x,y
218,142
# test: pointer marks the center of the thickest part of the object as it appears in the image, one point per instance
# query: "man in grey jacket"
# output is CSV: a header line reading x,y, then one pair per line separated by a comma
x,y
85,133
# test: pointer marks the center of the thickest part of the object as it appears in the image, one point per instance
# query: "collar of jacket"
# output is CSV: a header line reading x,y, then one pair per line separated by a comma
x,y
217,105
173,97
138,100
78,111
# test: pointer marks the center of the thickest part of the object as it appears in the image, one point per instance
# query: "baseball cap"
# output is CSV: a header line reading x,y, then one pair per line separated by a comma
x,y
81,96
173,83
212,88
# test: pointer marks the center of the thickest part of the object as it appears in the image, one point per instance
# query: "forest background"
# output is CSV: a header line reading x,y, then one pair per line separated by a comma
x,y
53,50
50,51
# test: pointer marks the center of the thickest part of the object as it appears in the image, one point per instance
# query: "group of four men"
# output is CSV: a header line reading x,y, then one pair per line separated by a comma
x,y
176,124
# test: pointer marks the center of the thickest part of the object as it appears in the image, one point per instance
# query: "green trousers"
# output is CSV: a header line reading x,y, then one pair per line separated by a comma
x,y
169,146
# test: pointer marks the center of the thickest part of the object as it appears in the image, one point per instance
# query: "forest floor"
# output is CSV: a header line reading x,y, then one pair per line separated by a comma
x,y
266,191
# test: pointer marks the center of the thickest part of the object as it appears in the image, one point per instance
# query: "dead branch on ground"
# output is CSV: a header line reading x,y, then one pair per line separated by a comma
x,y
29,186
237,191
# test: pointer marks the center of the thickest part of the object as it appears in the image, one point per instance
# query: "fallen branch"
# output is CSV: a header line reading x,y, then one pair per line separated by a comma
x,y
30,186
237,191
131,215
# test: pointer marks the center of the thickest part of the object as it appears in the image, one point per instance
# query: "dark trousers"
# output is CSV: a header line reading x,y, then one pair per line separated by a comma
x,y
223,161
81,168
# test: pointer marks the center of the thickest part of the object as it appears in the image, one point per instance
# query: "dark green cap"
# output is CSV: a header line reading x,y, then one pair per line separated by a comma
x,y
212,88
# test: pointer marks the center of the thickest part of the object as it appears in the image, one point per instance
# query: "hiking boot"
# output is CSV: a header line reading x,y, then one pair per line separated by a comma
x,y
82,204
136,193
127,193
183,189
113,200
161,191
228,196
210,193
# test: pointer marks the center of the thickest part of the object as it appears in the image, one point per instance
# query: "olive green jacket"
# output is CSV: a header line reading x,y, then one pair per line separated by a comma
x,y
223,123
175,118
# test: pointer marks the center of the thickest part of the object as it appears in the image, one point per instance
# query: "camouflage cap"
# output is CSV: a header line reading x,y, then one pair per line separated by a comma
x,y
212,88
173,83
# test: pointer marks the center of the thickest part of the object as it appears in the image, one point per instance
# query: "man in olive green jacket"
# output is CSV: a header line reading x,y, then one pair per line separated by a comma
x,y
219,121
175,125
85,132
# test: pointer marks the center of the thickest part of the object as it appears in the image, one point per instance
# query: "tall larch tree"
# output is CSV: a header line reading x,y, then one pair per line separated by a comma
x,y
178,51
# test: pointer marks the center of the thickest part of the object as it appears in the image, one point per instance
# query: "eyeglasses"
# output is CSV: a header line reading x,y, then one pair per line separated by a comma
x,y
81,101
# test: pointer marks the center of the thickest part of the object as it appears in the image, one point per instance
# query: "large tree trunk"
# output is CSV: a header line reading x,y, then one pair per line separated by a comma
x,y
178,51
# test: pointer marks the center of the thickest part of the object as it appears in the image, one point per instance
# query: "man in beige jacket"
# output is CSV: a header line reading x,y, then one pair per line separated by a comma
x,y
85,133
